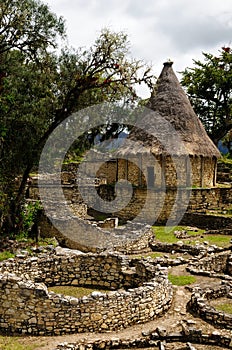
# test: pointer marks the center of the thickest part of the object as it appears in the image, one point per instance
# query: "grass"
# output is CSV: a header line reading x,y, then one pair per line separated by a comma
x,y
155,255
5,255
165,234
13,343
227,308
182,280
219,240
43,242
77,292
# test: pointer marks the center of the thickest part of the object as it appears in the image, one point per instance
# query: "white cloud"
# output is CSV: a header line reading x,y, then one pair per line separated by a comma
x,y
157,29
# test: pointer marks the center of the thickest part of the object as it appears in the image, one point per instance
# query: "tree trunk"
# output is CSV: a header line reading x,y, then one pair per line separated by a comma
x,y
13,221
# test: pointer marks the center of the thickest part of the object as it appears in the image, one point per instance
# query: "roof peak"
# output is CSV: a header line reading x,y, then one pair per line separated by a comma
x,y
171,102
168,63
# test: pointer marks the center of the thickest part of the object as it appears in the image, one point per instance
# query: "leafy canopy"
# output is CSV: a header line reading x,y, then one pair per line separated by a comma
x,y
209,85
39,88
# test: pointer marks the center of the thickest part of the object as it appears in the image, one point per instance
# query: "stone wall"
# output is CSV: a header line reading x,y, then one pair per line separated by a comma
x,y
203,171
209,222
131,239
199,303
154,203
229,265
210,198
165,170
212,265
155,338
161,203
181,247
143,292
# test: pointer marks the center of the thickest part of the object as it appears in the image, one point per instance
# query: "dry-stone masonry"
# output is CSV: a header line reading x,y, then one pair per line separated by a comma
x,y
139,293
197,199
213,265
199,303
132,238
153,339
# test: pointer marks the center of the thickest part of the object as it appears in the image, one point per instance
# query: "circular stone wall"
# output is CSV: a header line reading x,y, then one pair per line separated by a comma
x,y
143,292
199,303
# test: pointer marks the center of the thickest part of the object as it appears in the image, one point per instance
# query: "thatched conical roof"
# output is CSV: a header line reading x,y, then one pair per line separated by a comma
x,y
171,107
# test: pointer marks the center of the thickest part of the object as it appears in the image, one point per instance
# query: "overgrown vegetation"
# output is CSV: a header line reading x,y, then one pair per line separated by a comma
x,y
6,255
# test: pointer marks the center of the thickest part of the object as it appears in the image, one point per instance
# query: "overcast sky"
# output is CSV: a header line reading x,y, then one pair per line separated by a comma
x,y
158,29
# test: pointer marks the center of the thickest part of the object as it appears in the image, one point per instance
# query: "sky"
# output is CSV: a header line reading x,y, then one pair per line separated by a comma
x,y
158,30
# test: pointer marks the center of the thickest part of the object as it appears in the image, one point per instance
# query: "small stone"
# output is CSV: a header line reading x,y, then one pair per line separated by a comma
x,y
161,331
190,346
177,310
96,317
190,322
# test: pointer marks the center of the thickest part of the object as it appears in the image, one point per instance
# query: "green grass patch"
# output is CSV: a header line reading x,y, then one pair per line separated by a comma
x,y
222,241
6,255
77,292
43,242
227,308
219,240
182,280
155,255
165,234
13,343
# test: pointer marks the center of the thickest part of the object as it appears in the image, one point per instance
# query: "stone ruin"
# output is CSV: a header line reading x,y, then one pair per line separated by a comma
x,y
139,293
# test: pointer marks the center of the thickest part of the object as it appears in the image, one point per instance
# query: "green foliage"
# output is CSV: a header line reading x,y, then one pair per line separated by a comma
x,y
29,214
6,255
40,89
181,280
209,85
226,159
29,26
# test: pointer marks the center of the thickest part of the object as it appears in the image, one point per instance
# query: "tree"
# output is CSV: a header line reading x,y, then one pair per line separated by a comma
x,y
39,89
29,26
209,86
28,31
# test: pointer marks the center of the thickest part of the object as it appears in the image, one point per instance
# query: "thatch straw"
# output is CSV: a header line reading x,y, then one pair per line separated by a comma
x,y
171,106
